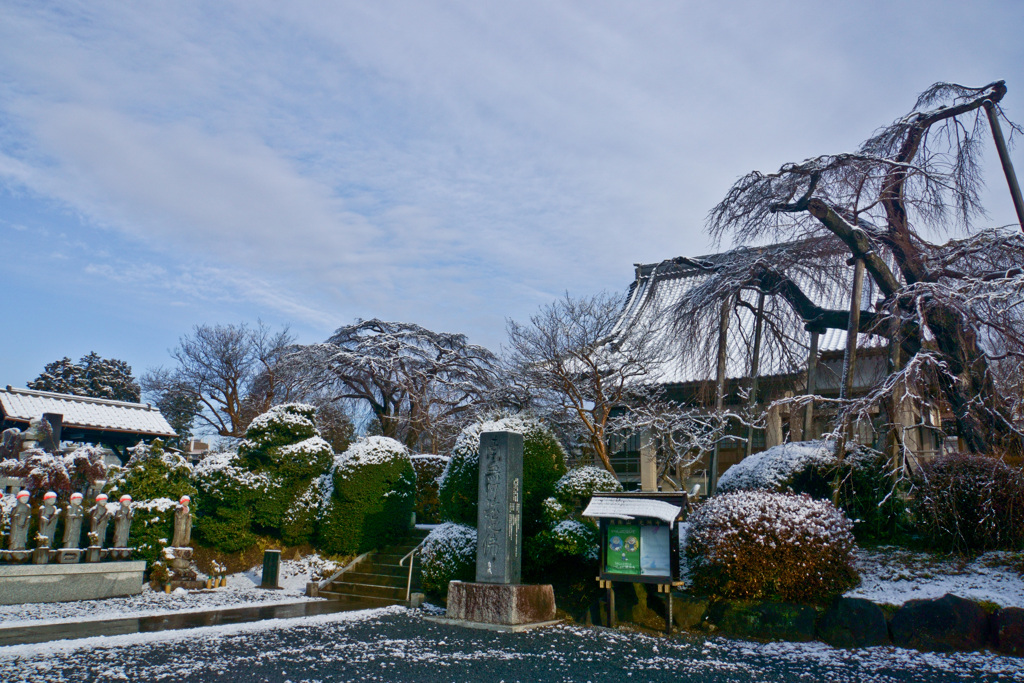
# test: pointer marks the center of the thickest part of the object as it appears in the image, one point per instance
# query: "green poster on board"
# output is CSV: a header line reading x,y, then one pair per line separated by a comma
x,y
622,556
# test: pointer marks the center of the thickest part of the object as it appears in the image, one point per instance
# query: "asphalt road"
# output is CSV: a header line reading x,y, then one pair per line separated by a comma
x,y
399,645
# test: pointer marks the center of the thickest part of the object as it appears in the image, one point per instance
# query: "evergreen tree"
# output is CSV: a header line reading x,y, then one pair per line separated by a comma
x,y
91,376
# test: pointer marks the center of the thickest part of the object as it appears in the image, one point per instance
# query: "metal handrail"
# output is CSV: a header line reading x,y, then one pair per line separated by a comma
x,y
412,560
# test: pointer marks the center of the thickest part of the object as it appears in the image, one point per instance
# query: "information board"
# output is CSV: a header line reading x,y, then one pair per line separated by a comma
x,y
655,550
622,556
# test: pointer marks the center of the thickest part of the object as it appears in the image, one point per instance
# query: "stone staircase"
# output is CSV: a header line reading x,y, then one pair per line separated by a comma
x,y
376,578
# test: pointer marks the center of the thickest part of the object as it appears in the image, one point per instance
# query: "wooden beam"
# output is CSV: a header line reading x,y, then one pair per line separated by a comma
x,y
755,361
723,339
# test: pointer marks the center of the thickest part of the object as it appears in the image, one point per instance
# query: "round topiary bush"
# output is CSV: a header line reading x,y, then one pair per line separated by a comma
x,y
228,492
449,554
543,465
970,503
866,488
373,497
761,544
578,485
429,469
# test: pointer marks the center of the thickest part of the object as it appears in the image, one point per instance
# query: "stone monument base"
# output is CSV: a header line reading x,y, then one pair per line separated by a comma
x,y
61,582
501,604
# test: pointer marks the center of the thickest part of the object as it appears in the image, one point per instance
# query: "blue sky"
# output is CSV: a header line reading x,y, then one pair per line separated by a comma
x,y
446,163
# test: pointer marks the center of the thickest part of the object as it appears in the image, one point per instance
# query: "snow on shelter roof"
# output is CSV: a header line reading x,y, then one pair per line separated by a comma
x,y
625,508
23,405
660,288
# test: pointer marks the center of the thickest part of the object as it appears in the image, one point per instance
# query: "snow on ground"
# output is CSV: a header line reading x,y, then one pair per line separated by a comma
x,y
395,644
242,591
894,575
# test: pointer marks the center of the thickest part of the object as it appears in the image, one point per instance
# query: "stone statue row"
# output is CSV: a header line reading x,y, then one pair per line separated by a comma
x,y
99,516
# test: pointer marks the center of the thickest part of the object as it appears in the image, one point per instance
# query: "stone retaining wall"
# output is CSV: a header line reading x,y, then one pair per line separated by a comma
x,y
945,624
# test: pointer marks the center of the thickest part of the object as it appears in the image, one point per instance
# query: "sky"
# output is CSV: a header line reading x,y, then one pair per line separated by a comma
x,y
452,164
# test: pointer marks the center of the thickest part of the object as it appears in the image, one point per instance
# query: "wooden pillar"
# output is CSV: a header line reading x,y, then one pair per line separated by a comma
x,y
812,386
648,464
723,339
755,360
850,357
849,367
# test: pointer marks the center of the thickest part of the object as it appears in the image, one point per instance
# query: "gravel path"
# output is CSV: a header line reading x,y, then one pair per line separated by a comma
x,y
395,644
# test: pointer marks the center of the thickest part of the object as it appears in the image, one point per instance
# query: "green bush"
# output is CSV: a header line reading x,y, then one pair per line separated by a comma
x,y
228,494
429,469
752,545
543,465
152,473
299,525
152,527
578,486
373,497
970,503
449,554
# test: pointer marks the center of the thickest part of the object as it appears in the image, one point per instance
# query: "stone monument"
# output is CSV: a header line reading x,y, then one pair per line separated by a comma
x,y
73,513
497,599
48,516
99,517
18,536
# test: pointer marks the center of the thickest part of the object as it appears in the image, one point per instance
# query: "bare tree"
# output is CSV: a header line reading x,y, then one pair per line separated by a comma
x,y
419,385
581,365
950,310
233,373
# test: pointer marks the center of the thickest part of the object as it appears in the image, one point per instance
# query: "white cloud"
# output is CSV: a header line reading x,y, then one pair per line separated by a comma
x,y
451,162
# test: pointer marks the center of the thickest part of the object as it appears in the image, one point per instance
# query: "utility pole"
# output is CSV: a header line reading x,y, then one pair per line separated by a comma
x,y
1004,158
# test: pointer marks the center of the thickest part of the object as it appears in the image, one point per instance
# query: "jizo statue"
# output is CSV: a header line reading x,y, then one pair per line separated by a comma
x,y
20,516
182,524
48,516
73,514
123,522
99,517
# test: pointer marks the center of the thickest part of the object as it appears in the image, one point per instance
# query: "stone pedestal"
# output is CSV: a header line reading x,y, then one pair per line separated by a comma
x,y
180,564
501,604
69,556
56,583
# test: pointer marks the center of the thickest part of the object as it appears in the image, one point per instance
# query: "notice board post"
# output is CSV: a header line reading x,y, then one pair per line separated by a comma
x,y
639,534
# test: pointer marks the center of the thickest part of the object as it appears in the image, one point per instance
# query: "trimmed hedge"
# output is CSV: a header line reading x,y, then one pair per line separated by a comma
x,y
578,485
373,497
970,503
152,527
152,474
429,469
543,465
752,545
449,554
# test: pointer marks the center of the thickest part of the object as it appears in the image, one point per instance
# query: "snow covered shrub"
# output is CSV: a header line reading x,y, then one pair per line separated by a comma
x,y
553,512
227,494
300,520
567,538
429,469
256,489
152,473
970,503
543,464
449,554
152,527
284,444
579,484
373,496
761,544
65,474
866,492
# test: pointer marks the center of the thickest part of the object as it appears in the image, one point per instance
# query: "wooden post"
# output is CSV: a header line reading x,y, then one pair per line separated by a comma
x,y
755,360
849,367
812,386
1004,158
723,338
893,439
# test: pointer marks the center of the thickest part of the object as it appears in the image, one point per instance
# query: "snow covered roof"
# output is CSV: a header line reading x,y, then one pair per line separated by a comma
x,y
23,405
660,288
630,508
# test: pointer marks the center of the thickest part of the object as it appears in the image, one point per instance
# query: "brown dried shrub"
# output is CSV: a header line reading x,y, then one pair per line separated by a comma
x,y
767,545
